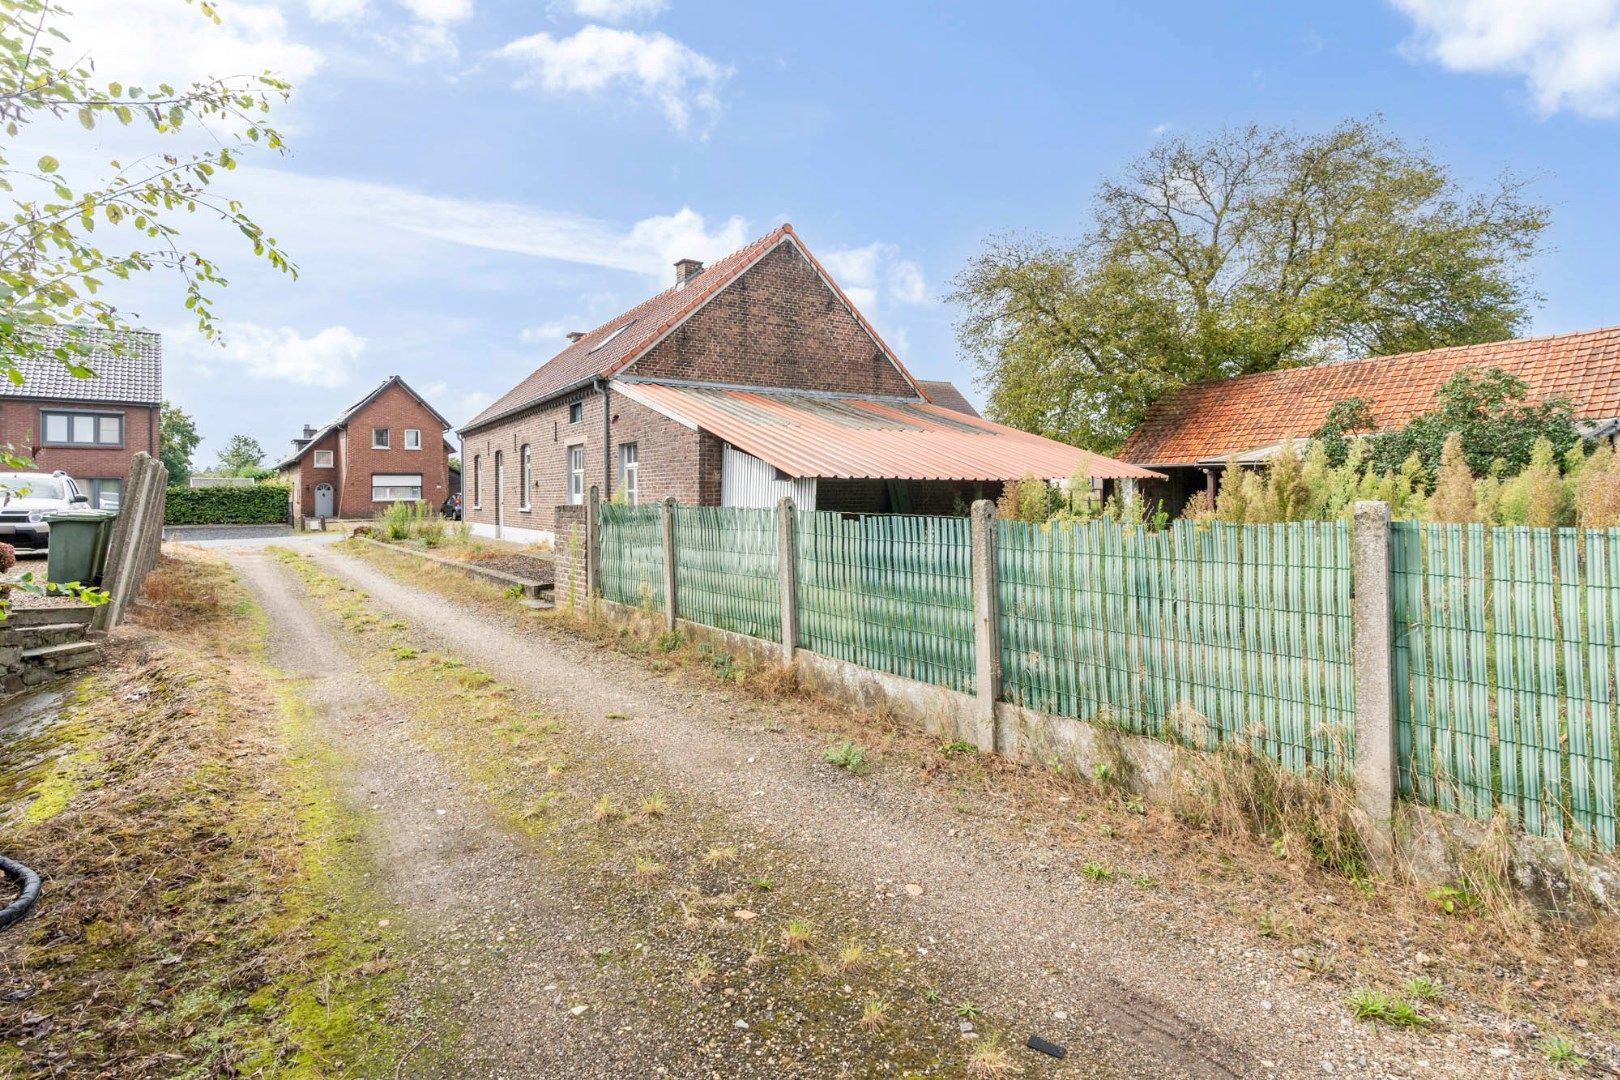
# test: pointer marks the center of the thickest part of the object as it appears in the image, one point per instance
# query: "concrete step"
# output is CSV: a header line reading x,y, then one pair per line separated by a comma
x,y
46,616
33,637
64,657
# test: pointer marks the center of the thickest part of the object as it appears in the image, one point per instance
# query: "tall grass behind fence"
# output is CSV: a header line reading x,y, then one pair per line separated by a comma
x,y
1205,633
726,570
1506,654
893,593
632,542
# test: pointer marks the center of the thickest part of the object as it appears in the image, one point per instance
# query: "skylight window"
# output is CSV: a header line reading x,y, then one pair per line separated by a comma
x,y
611,336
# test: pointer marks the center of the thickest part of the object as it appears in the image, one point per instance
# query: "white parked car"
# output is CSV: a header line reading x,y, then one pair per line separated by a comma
x,y
25,499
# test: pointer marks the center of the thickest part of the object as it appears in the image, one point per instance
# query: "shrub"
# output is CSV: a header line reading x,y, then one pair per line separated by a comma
x,y
8,557
411,521
261,504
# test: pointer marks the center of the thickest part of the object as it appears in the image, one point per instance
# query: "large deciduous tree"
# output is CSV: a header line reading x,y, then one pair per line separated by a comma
x,y
177,441
241,455
1247,251
70,231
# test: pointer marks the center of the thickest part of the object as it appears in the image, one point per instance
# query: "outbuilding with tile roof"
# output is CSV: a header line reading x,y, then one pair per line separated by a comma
x,y
1190,434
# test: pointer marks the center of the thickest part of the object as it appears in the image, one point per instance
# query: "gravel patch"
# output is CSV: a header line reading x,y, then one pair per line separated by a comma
x,y
1174,990
524,566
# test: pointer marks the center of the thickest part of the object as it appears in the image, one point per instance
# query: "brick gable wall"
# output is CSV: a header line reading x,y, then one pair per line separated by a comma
x,y
778,324
303,476
395,409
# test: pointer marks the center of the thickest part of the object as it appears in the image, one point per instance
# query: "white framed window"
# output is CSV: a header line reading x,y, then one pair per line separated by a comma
x,y
525,477
106,494
82,429
396,487
323,459
379,438
413,438
478,487
576,474
630,473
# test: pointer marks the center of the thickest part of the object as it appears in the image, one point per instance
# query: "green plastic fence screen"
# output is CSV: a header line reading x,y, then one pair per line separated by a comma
x,y
894,593
632,543
1506,652
726,572
1205,633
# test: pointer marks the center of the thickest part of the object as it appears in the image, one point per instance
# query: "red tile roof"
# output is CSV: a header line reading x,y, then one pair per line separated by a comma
x,y
620,340
854,437
1213,419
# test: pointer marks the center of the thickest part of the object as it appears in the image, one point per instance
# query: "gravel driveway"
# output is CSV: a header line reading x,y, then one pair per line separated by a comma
x,y
1133,982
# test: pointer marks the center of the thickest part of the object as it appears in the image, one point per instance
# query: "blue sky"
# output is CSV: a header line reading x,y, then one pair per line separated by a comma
x,y
471,178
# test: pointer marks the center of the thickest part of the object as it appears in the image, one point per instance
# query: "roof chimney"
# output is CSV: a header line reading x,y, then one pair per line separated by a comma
x,y
575,335
309,431
686,270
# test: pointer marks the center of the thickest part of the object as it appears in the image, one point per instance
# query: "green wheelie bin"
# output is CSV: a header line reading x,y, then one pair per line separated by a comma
x,y
78,547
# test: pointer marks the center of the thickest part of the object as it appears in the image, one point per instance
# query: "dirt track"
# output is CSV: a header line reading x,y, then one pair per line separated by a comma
x,y
1134,983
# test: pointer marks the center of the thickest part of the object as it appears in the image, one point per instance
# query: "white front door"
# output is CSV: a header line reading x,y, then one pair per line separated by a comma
x,y
323,501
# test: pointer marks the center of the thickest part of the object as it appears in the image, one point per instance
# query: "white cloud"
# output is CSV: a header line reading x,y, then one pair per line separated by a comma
x,y
440,12
458,405
338,10
618,11
278,354
397,229
547,333
145,42
876,271
1568,51
597,59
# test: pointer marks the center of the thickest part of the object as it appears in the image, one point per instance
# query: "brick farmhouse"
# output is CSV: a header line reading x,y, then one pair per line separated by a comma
x,y
1191,434
88,427
747,380
388,447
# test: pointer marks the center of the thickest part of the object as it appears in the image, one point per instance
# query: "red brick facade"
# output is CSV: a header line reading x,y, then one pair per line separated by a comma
x,y
355,462
777,325
22,427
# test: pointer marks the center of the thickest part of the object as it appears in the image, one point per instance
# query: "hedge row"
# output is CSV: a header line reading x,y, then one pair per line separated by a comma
x,y
261,504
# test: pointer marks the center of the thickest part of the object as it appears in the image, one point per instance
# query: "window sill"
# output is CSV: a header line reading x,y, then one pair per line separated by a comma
x,y
80,446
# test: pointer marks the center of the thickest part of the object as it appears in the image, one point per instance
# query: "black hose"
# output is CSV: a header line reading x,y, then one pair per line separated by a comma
x,y
28,881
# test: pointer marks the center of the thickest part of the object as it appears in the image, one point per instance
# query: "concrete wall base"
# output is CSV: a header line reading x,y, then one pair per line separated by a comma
x,y
512,533
1430,845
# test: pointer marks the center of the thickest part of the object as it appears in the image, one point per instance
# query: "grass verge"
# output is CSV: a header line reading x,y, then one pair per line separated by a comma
x,y
205,912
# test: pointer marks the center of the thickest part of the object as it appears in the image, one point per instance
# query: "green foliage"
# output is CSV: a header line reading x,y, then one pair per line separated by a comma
x,y
51,272
177,440
1494,415
846,755
1385,1008
241,454
261,504
412,521
1249,250
1560,1051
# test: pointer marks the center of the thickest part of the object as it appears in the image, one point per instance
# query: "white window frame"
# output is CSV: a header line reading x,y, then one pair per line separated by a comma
x,y
328,463
478,487
630,472
413,435
397,487
99,489
375,445
576,475
525,477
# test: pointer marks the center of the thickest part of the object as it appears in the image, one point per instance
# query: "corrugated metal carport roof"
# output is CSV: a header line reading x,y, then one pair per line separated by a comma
x,y
870,438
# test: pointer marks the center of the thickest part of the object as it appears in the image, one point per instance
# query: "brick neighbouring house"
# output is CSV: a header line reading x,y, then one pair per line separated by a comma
x,y
388,447
747,380
91,427
1190,434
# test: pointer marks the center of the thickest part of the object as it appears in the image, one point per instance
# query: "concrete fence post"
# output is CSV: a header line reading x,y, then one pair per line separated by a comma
x,y
787,564
593,543
667,524
986,625
1375,708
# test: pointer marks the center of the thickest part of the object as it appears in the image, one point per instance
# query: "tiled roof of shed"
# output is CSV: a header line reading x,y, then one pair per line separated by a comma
x,y
131,373
1213,419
